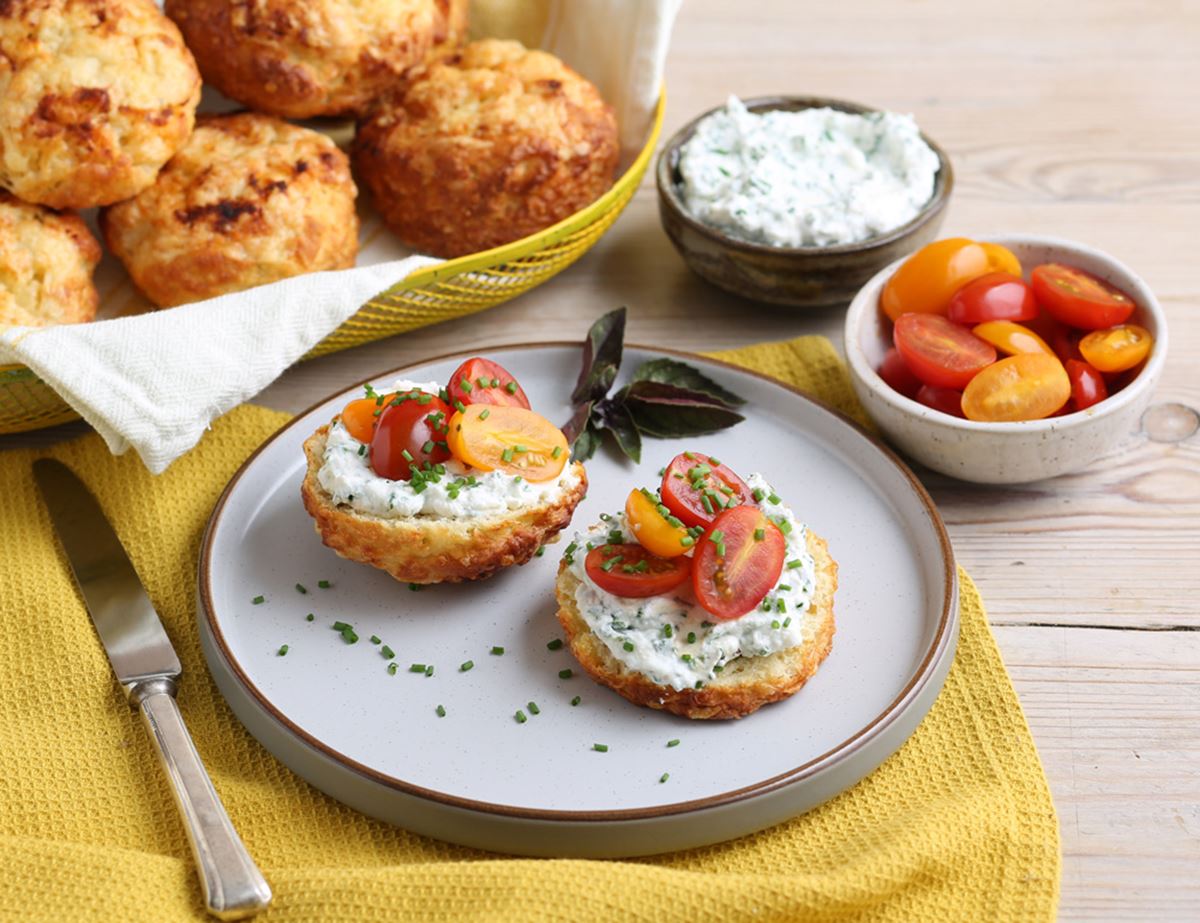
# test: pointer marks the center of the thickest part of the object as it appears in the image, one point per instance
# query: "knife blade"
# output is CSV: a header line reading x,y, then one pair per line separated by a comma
x,y
148,670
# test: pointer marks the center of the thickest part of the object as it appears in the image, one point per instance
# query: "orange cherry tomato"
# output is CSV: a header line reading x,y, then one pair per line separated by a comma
x,y
482,381
1001,259
1078,298
927,280
1087,385
939,352
506,438
411,433
696,487
1118,348
1028,386
737,561
360,416
631,571
947,400
1010,338
897,375
996,296
655,527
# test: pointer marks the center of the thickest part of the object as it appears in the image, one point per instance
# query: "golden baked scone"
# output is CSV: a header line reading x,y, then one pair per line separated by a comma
x,y
95,96
249,200
46,263
423,549
746,683
304,58
484,147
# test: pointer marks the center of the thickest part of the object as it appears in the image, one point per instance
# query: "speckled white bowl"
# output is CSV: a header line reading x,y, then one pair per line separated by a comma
x,y
1004,453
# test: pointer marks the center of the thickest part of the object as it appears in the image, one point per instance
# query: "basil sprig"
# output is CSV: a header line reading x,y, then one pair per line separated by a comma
x,y
665,398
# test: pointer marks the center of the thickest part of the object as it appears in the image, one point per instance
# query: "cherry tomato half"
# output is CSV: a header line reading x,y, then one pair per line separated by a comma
x,y
996,296
1078,298
410,433
1087,385
631,571
1010,338
697,487
897,375
511,439
482,381
737,562
360,416
654,526
1028,386
947,400
1118,348
939,352
1001,259
926,281
1057,335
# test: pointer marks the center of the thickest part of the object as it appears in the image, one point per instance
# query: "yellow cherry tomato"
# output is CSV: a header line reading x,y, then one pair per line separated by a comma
x,y
1117,348
494,437
1028,386
1011,338
1002,259
654,527
927,280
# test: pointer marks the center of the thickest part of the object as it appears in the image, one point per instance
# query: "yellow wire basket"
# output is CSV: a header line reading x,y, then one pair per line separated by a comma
x,y
447,290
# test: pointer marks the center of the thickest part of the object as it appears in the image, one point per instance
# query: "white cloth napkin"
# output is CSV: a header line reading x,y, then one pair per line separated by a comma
x,y
155,381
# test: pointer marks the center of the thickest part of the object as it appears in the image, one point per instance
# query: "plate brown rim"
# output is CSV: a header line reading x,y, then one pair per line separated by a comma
x,y
838,753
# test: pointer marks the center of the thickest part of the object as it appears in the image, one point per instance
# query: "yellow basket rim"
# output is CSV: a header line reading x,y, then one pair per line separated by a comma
x,y
502,254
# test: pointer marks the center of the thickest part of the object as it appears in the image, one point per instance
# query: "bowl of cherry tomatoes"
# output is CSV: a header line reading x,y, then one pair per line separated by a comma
x,y
1005,361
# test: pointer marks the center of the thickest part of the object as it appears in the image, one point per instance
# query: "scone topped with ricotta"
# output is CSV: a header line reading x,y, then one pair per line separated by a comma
x,y
440,484
708,598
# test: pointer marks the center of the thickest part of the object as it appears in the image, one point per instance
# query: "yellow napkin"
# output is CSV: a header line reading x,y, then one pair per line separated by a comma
x,y
957,825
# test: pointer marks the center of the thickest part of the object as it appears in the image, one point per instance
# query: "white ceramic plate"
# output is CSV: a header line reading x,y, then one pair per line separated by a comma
x,y
332,713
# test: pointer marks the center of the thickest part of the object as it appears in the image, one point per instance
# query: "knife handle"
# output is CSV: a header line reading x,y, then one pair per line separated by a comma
x,y
233,886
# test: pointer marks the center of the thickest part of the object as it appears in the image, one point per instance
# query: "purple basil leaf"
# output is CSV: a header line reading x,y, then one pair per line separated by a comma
x,y
681,375
615,417
575,426
586,443
601,357
664,410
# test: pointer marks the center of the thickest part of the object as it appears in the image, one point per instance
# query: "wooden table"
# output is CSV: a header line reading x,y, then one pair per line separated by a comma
x,y
1076,120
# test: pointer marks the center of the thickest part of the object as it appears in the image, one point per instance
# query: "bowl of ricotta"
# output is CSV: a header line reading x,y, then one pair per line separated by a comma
x,y
797,200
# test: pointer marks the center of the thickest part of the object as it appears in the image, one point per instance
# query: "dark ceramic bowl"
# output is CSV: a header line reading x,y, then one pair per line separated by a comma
x,y
803,277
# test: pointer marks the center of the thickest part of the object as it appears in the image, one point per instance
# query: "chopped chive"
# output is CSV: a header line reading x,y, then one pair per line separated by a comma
x,y
690,456
406,455
765,606
691,637
774,498
557,451
375,639
780,605
441,711
628,645
497,650
283,649
258,600
484,414
686,541
443,394
460,407
793,564
465,666
324,584
708,507
415,587
760,534
428,446
340,626
699,684
309,617
664,777
511,387
713,460
481,382
787,621
520,716
416,668
565,674
554,645
429,670
611,563
784,526
758,493
784,587
600,748
301,588
465,385
667,631
686,658
507,455
533,708
387,652
775,623
424,398
674,742
576,700
720,549
718,669
495,382
391,668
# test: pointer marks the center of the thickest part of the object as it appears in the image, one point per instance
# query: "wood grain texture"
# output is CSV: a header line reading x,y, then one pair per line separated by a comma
x,y
1081,121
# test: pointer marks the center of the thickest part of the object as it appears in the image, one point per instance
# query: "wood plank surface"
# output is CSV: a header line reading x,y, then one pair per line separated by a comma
x,y
1077,120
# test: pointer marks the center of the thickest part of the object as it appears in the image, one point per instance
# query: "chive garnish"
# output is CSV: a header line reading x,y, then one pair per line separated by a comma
x,y
557,451
428,446
565,674
686,658
760,534
533,708
787,621
441,711
686,541
497,650
784,587
664,777
309,617
375,639
541,551
667,631
774,498
301,588
465,666
429,670
576,700
387,652
780,605
484,414
775,623
600,748
758,493
258,600
324,584
416,668
691,637
511,387
713,460
460,407
415,587
520,716
673,743
690,456
391,668
283,649
793,564
481,382
554,645
628,645
708,507
506,455
611,563
465,385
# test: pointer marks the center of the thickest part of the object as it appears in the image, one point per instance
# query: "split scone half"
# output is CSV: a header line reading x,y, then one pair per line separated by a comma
x,y
461,524
667,652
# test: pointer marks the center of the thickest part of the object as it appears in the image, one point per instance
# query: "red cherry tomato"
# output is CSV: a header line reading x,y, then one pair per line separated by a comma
x,y
1058,336
734,568
1078,298
947,400
996,296
482,381
939,352
631,571
1087,385
899,377
695,487
410,434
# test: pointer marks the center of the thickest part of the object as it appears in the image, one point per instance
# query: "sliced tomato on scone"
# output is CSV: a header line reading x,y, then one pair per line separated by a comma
x,y
630,570
696,487
737,562
482,381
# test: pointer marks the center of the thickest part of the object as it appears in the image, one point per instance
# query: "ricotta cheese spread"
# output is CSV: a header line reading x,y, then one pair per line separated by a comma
x,y
806,179
671,639
462,493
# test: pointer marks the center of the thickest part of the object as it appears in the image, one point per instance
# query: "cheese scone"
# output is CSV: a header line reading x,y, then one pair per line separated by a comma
x,y
451,524
668,652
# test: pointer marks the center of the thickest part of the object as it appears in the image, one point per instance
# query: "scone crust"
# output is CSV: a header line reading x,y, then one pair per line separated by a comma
x,y
484,147
95,96
746,685
46,263
249,200
432,550
316,57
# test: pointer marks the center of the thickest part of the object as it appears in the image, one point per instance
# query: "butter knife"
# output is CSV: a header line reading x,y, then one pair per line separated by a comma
x,y
148,670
